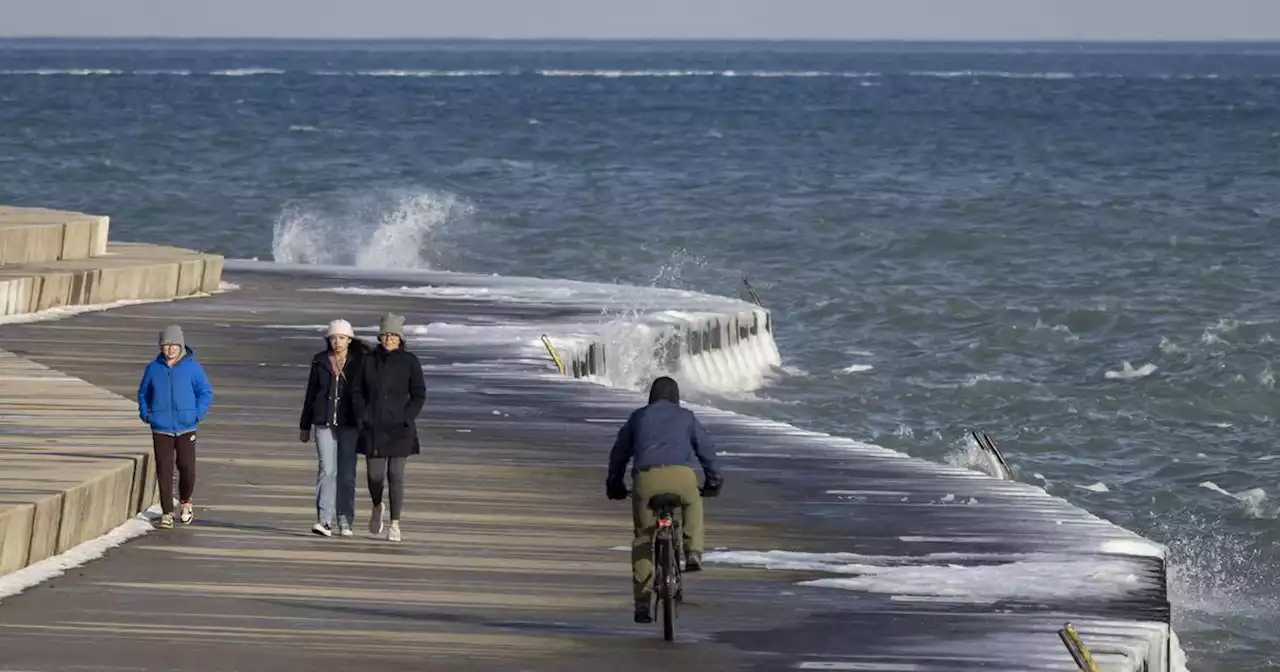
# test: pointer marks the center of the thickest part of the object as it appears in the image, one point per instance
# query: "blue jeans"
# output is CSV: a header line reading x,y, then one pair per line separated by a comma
x,y
336,448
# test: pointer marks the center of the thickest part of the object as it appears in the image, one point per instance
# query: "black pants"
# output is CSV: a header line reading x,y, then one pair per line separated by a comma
x,y
167,448
379,469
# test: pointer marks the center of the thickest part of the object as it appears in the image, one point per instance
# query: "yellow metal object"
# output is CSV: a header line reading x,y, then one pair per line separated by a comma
x,y
554,355
1077,649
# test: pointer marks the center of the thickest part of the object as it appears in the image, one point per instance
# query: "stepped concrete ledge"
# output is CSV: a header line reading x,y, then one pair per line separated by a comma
x,y
74,462
50,259
38,235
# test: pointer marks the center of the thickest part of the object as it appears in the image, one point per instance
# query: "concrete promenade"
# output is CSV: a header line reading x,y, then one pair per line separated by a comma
x,y
510,557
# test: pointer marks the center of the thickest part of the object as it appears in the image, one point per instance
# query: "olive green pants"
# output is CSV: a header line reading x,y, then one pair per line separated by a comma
x,y
680,480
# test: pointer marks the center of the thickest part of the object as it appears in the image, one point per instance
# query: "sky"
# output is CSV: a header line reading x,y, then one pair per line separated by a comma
x,y
633,19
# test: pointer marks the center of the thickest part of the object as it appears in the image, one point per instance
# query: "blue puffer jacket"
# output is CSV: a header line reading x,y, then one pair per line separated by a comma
x,y
173,400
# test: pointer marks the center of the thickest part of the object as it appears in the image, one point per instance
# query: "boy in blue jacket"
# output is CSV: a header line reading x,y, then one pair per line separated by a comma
x,y
173,398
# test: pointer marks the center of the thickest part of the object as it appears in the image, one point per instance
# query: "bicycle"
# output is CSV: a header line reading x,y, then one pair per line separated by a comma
x,y
667,548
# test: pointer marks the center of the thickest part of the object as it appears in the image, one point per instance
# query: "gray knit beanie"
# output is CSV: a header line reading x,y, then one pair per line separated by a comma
x,y
392,324
172,334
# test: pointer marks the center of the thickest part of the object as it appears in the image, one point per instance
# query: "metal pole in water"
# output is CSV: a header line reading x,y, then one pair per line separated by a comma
x,y
755,298
1075,646
555,356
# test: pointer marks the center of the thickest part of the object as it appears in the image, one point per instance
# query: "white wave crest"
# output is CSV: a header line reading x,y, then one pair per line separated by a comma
x,y
1253,502
654,72
410,73
77,72
948,579
1127,372
246,72
377,232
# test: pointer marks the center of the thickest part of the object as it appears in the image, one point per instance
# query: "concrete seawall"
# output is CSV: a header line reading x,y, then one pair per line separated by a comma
x,y
37,235
74,462
50,259
728,350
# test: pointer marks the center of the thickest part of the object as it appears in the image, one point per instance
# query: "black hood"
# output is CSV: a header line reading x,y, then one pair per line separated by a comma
x,y
665,388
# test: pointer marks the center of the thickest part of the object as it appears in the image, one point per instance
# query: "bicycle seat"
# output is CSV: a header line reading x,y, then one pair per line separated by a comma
x,y
666,501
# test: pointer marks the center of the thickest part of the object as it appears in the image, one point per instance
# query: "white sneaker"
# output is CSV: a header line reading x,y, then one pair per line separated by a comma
x,y
187,513
375,521
344,528
393,534
322,529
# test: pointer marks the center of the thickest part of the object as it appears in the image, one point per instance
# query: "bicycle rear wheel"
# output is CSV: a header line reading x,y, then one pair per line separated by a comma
x,y
667,556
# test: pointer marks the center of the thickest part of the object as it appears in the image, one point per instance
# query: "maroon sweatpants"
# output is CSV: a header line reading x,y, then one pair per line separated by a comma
x,y
183,447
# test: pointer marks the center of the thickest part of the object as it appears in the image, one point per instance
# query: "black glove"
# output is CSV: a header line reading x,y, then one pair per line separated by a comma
x,y
615,489
712,486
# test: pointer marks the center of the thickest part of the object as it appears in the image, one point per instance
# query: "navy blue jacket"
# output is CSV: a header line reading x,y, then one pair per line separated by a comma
x,y
662,434
173,400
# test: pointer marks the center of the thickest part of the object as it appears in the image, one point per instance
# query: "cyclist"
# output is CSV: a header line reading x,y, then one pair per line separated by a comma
x,y
662,442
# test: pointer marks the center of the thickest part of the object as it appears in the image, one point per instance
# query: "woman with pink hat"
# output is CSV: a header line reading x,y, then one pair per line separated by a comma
x,y
327,409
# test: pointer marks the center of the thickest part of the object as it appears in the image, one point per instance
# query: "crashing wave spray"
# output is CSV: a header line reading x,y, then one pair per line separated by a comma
x,y
971,453
396,231
645,335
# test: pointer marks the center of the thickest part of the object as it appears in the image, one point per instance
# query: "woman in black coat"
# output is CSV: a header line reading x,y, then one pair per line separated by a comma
x,y
327,407
390,395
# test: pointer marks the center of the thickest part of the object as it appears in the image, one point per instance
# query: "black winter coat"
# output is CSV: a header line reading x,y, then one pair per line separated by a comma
x,y
327,402
389,395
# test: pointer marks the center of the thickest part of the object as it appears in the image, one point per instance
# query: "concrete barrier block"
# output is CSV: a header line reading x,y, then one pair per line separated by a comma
x,y
139,281
101,227
15,537
76,520
21,244
212,273
15,296
160,281
55,290
77,238
44,527
143,493
117,506
95,505
107,285
128,271
30,243
190,276
82,286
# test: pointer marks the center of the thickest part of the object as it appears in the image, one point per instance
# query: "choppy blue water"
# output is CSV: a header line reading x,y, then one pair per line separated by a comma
x,y
1072,246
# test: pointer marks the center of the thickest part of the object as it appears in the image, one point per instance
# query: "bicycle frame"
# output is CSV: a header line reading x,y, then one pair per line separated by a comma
x,y
667,543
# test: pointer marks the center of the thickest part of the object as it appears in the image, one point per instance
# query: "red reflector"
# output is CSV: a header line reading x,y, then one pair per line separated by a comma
x,y
665,522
